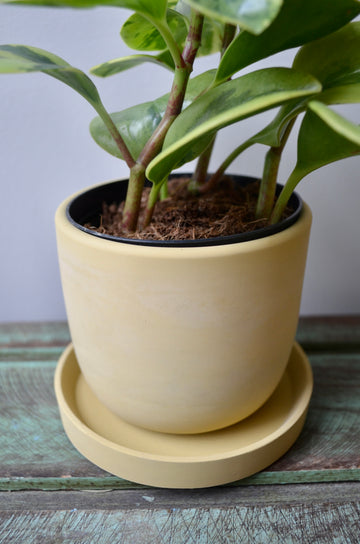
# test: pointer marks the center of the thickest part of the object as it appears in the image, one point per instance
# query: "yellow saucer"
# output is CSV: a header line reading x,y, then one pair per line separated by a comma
x,y
183,461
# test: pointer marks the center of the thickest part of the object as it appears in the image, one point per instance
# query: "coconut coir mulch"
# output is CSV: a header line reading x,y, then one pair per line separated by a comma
x,y
224,211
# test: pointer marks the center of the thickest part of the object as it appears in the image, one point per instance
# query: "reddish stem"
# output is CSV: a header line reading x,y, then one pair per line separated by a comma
x,y
174,106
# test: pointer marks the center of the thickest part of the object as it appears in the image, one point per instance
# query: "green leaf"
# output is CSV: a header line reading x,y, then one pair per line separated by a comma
x,y
21,58
140,34
253,15
115,66
153,9
136,124
299,22
324,137
211,38
335,62
336,122
272,134
347,94
224,105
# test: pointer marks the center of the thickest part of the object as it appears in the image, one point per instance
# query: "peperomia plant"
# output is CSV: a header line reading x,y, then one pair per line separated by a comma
x,y
155,138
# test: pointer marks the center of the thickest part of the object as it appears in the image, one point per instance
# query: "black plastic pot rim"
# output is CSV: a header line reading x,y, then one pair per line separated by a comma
x,y
86,207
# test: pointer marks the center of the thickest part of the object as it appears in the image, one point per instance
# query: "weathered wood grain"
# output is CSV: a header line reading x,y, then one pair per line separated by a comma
x,y
330,333
107,482
32,440
156,498
36,454
331,437
98,508
31,354
33,341
244,515
34,334
316,332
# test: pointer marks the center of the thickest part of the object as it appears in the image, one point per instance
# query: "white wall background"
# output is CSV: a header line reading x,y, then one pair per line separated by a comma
x,y
46,154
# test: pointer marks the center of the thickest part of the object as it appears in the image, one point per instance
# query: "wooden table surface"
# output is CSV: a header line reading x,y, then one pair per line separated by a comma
x,y
50,494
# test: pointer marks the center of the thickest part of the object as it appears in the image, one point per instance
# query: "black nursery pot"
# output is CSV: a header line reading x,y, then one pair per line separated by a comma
x,y
86,208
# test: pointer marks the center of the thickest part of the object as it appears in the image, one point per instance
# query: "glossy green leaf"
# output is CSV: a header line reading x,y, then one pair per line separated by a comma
x,y
21,58
154,9
335,62
227,104
299,22
324,137
115,66
136,124
211,38
140,34
272,134
336,122
254,15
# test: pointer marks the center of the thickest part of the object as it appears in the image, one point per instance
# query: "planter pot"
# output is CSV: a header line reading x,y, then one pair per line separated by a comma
x,y
178,337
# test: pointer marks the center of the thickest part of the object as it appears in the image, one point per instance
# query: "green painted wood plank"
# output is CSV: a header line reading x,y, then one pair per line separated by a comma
x,y
21,354
320,523
35,452
34,334
227,516
340,332
154,498
32,440
113,483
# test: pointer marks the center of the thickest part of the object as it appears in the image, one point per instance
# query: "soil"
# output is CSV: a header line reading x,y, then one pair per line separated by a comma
x,y
224,211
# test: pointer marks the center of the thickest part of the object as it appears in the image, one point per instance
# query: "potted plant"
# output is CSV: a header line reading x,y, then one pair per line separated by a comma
x,y
188,336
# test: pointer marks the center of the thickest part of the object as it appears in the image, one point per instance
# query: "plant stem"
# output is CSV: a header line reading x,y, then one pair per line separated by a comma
x,y
166,34
133,197
193,39
201,170
164,191
156,190
152,200
110,125
284,196
229,34
154,144
268,183
211,183
182,73
271,168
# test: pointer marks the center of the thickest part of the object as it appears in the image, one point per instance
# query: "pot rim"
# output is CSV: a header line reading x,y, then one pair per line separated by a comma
x,y
75,215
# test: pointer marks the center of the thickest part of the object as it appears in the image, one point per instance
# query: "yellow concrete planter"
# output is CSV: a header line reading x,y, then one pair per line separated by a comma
x,y
182,339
